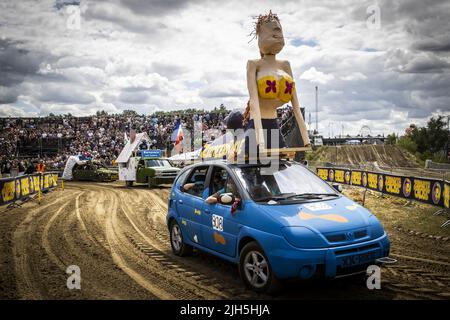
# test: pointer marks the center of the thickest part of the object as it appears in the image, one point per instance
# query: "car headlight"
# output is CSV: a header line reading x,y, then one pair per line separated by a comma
x,y
302,237
375,228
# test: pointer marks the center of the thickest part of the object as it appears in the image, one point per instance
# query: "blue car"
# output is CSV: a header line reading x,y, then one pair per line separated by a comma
x,y
276,221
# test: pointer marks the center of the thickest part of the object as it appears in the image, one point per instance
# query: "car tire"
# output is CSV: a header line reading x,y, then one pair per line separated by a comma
x,y
262,279
179,247
129,183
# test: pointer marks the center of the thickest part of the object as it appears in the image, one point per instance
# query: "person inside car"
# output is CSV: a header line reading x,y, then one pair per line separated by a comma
x,y
229,187
195,187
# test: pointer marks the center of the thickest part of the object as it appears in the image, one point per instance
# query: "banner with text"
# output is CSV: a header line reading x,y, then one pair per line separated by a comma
x,y
432,191
16,188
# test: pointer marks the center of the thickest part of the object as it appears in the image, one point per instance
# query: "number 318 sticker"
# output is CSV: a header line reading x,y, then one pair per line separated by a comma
x,y
217,222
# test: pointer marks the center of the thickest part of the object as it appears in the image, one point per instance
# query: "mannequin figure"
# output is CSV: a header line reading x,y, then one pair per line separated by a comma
x,y
270,83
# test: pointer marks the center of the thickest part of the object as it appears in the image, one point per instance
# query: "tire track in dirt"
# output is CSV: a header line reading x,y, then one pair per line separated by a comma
x,y
119,259
118,234
181,289
125,257
163,249
198,272
25,270
82,249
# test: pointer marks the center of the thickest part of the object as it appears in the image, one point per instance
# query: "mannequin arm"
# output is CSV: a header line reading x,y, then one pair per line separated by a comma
x,y
297,113
255,112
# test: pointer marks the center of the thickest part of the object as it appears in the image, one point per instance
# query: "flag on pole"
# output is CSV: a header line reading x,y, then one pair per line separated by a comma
x,y
177,136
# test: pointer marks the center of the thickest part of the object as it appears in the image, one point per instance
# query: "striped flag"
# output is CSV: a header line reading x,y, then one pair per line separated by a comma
x,y
177,136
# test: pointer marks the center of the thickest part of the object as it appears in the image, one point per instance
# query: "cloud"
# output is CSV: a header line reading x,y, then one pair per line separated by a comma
x,y
155,7
8,95
16,64
411,62
441,45
165,55
316,76
355,76
224,88
64,95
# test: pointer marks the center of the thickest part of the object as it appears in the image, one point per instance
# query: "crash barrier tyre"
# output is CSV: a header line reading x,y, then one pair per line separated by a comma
x,y
129,183
255,269
179,247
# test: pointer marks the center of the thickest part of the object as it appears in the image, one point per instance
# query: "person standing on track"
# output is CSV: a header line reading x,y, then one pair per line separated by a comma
x,y
41,167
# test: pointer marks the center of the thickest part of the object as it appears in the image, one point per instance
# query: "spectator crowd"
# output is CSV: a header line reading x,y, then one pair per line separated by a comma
x,y
25,142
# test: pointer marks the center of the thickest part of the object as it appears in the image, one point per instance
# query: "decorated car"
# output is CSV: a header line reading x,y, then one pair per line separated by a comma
x,y
275,221
149,168
155,170
140,165
93,171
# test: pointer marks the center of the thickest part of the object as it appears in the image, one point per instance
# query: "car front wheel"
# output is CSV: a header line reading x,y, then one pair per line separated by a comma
x,y
255,270
179,247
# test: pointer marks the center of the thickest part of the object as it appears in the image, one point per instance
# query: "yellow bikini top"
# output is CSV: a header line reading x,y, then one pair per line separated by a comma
x,y
275,85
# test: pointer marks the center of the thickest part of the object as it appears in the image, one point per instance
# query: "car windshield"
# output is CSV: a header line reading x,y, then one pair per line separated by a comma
x,y
158,163
289,181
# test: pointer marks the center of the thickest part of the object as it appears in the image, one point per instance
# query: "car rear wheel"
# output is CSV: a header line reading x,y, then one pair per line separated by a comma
x,y
255,270
179,247
129,183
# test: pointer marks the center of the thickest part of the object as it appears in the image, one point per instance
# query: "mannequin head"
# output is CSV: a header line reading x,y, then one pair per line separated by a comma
x,y
269,33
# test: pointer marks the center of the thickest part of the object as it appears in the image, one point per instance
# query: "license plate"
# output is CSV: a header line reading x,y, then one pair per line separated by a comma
x,y
357,259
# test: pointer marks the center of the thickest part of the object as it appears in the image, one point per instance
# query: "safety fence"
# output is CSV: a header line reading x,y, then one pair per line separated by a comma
x,y
431,191
21,187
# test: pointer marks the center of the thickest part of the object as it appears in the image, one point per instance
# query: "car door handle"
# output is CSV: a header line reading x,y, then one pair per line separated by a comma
x,y
207,211
180,201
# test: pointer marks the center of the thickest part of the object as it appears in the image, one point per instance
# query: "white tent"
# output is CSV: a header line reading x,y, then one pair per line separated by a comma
x,y
71,162
127,151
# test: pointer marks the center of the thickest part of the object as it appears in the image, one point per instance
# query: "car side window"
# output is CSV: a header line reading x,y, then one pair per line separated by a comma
x,y
222,182
182,177
218,180
195,183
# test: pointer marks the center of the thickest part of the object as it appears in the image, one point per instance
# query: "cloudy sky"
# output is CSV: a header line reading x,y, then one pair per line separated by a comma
x,y
147,55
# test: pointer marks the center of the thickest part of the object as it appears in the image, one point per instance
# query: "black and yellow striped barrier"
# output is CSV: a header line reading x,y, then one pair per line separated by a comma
x,y
431,191
17,188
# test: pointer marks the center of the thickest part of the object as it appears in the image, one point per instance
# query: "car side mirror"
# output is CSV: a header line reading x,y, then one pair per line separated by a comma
x,y
337,187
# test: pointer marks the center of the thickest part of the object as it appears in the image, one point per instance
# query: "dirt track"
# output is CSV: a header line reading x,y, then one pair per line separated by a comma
x,y
118,238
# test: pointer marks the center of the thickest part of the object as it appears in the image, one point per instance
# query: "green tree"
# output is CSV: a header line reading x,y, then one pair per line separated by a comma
x,y
129,113
408,144
431,138
101,113
391,139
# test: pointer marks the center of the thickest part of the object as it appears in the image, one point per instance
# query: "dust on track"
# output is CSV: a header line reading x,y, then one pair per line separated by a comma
x,y
118,238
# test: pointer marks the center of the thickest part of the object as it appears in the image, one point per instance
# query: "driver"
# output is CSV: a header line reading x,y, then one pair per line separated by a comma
x,y
218,181
230,187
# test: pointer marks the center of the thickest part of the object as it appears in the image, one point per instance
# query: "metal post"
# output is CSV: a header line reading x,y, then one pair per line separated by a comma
x,y
317,109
